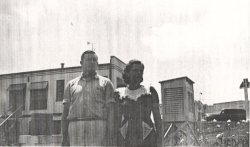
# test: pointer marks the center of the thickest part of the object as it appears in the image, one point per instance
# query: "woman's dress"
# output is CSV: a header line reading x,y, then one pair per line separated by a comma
x,y
137,127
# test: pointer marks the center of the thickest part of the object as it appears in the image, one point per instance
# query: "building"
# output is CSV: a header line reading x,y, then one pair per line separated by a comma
x,y
33,102
217,107
178,100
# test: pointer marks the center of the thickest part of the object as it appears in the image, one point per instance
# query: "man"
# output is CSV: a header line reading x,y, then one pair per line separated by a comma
x,y
88,107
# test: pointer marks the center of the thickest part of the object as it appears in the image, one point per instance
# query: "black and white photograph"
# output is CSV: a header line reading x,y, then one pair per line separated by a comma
x,y
124,73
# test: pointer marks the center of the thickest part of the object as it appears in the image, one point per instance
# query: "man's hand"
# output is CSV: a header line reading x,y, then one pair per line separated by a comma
x,y
65,125
65,139
65,133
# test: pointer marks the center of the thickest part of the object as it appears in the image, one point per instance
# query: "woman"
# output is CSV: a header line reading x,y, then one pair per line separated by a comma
x,y
137,103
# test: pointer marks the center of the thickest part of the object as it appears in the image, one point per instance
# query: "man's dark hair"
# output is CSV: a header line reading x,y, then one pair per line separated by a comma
x,y
127,69
87,52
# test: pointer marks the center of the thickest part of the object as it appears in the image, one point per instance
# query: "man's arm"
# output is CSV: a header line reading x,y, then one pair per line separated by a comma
x,y
64,121
112,125
65,125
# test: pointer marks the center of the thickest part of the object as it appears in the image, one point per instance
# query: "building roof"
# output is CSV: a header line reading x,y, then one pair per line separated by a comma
x,y
229,102
118,59
48,71
54,70
180,78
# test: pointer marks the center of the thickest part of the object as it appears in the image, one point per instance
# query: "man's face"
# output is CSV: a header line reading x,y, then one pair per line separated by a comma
x,y
89,62
136,73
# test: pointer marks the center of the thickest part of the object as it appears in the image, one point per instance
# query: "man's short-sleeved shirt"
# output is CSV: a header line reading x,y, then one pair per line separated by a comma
x,y
88,98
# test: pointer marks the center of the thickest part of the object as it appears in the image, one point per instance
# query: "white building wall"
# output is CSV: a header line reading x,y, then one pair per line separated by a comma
x,y
117,67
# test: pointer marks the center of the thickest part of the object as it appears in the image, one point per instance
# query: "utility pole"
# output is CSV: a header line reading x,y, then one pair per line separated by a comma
x,y
200,95
200,105
245,84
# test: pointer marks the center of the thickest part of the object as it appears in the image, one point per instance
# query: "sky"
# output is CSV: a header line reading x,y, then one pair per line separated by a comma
x,y
205,40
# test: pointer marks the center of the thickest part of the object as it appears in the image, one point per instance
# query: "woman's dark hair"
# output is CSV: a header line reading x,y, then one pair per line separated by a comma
x,y
127,69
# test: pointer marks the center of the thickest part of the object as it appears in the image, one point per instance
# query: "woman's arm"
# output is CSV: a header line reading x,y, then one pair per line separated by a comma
x,y
157,116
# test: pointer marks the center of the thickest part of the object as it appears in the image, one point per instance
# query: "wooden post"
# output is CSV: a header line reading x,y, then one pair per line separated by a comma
x,y
245,84
246,98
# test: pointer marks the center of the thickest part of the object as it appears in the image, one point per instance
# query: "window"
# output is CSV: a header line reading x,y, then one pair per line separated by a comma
x,y
17,96
38,95
59,90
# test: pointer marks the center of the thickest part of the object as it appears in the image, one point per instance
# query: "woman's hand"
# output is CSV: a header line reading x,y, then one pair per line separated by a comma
x,y
117,96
